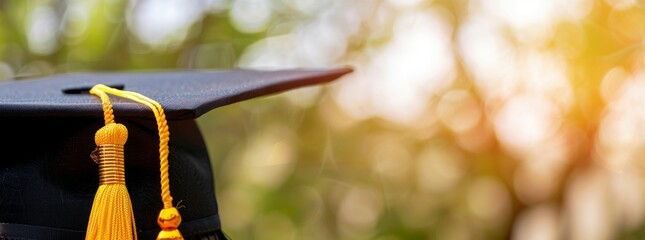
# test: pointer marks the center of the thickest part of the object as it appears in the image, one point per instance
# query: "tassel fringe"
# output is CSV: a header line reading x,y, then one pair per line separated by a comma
x,y
111,216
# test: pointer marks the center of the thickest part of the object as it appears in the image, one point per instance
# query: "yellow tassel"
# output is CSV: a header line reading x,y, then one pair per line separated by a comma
x,y
169,218
112,216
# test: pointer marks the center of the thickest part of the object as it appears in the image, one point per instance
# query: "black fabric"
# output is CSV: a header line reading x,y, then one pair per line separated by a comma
x,y
52,184
184,95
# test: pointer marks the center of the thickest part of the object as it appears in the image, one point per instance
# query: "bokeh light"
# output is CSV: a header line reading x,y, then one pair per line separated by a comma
x,y
473,119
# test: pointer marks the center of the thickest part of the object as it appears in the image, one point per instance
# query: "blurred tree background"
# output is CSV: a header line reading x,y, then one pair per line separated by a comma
x,y
464,119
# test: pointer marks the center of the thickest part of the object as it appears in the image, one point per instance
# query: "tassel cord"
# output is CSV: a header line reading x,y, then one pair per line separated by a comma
x,y
164,136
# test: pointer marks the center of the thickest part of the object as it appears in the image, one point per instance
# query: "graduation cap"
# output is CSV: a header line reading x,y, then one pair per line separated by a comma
x,y
56,129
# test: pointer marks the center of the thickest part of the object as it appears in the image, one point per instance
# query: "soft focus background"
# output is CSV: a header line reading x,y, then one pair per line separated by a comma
x,y
465,119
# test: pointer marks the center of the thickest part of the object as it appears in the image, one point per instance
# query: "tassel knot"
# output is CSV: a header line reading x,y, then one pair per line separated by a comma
x,y
169,219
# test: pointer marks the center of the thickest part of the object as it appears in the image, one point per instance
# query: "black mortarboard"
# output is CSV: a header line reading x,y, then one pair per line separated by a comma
x,y
48,180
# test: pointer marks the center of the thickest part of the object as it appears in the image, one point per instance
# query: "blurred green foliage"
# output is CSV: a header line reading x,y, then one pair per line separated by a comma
x,y
515,119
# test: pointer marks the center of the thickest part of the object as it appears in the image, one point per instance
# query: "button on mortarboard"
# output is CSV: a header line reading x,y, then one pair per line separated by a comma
x,y
48,180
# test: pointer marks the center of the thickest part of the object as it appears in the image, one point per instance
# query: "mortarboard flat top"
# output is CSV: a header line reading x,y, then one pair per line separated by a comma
x,y
184,95
46,191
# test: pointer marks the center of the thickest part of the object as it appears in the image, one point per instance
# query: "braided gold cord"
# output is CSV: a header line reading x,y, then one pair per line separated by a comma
x,y
164,135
